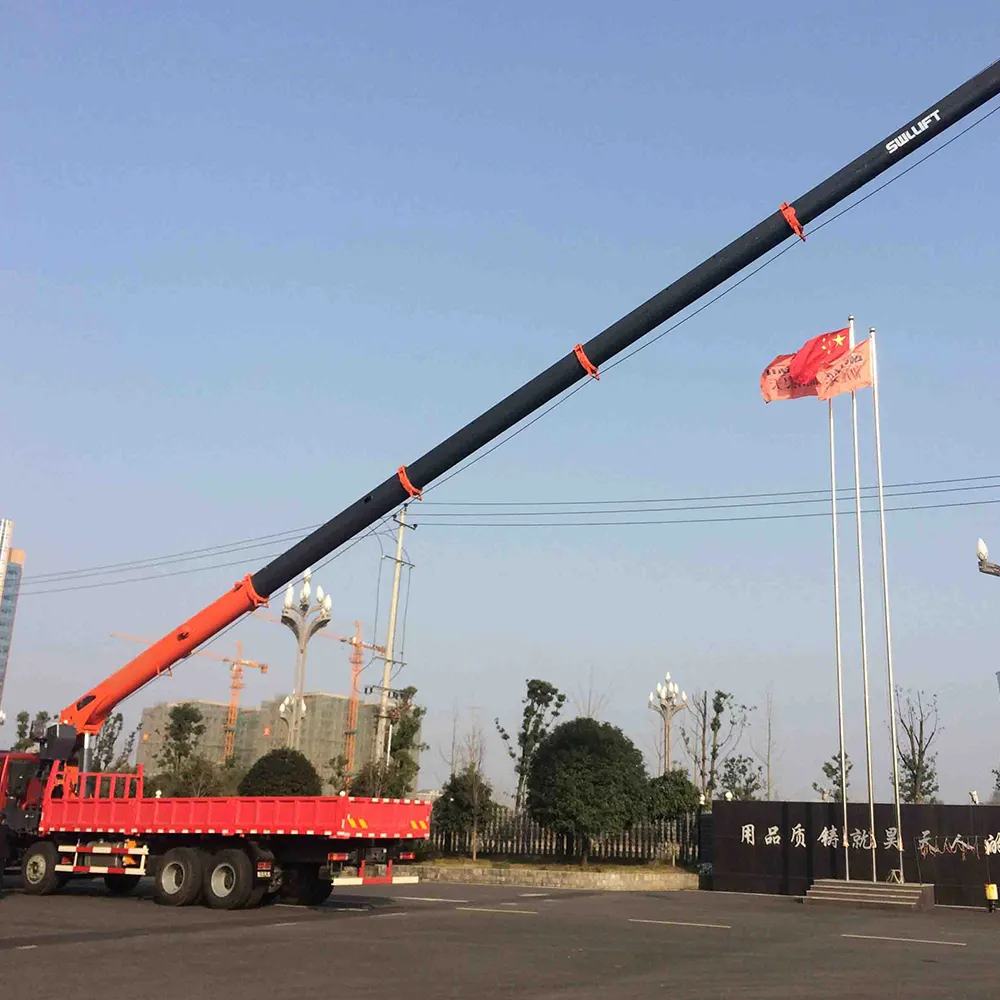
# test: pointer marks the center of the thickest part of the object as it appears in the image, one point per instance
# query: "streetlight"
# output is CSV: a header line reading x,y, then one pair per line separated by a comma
x,y
304,619
667,701
983,555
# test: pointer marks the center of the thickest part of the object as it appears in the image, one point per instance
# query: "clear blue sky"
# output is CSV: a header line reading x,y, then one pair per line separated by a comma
x,y
255,256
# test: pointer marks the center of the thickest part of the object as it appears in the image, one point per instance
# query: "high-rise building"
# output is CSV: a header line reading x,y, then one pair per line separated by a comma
x,y
11,568
260,730
156,718
322,736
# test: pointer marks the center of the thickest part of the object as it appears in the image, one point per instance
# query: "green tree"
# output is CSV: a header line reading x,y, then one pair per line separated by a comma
x,y
672,795
282,772
831,771
197,778
180,739
27,730
465,803
406,718
917,719
338,776
107,756
542,704
23,725
587,779
396,777
742,777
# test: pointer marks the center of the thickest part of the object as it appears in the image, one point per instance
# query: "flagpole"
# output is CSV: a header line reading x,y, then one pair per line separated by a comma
x,y
864,624
836,641
885,601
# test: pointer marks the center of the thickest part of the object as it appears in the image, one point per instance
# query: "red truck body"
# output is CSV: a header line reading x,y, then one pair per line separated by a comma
x,y
342,817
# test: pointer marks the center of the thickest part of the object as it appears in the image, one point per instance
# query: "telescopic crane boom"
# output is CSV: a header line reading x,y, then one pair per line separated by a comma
x,y
88,713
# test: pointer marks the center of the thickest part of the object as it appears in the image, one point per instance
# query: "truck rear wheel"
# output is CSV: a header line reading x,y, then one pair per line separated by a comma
x,y
178,877
229,880
302,886
38,869
120,885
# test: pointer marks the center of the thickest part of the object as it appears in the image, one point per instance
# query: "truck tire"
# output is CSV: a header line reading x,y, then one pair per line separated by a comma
x,y
229,880
302,886
178,877
38,869
120,885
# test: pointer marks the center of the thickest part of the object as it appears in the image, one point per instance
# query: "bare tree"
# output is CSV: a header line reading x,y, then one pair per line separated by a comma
x,y
714,730
917,718
473,756
590,702
653,744
763,748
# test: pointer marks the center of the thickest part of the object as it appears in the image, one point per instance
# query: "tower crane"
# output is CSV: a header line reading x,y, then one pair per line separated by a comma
x,y
236,684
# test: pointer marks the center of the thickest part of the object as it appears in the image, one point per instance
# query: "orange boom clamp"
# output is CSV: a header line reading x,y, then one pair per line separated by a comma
x,y
407,485
792,219
588,366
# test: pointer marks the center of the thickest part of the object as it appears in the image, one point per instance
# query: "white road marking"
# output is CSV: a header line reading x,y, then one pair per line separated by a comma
x,y
26,947
485,909
510,904
287,923
353,909
679,923
879,937
379,916
528,895
432,899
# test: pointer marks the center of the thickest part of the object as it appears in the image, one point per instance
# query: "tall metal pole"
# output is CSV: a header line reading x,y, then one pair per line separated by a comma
x,y
836,643
390,644
864,622
300,686
668,721
890,680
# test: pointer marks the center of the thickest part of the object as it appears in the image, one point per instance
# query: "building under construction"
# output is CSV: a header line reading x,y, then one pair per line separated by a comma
x,y
322,737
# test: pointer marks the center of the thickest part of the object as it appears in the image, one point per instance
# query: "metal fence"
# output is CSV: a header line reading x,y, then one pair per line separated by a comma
x,y
517,836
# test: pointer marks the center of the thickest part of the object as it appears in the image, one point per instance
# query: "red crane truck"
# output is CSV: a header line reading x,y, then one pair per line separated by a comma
x,y
63,820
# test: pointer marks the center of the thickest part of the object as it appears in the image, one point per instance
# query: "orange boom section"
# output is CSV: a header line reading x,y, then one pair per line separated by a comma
x,y
88,714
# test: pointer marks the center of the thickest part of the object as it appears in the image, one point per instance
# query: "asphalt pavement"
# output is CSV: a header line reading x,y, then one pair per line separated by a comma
x,y
463,941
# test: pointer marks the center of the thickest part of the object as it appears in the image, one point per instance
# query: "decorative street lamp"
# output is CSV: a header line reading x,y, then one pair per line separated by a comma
x,y
983,555
667,701
304,619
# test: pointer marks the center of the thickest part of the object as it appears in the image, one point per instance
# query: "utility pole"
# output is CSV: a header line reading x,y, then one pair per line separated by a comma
x,y
390,643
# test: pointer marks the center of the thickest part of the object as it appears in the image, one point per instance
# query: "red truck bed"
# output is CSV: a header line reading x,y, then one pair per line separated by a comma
x,y
339,816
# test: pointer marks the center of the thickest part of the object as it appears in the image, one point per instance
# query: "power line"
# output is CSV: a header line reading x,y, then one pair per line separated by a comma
x,y
193,569
695,520
154,562
724,506
721,496
535,524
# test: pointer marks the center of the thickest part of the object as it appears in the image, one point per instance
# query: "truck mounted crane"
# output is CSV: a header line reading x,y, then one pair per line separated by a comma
x,y
242,851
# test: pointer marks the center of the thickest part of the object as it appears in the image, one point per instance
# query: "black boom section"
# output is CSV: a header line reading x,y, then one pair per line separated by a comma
x,y
543,388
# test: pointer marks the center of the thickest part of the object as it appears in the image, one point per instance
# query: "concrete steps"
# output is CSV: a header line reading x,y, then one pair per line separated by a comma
x,y
870,895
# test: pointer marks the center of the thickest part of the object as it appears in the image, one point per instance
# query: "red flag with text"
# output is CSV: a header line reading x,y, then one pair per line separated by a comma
x,y
852,371
777,383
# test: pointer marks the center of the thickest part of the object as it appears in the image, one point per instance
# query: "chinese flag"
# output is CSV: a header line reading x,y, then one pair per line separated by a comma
x,y
817,353
776,383
852,371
